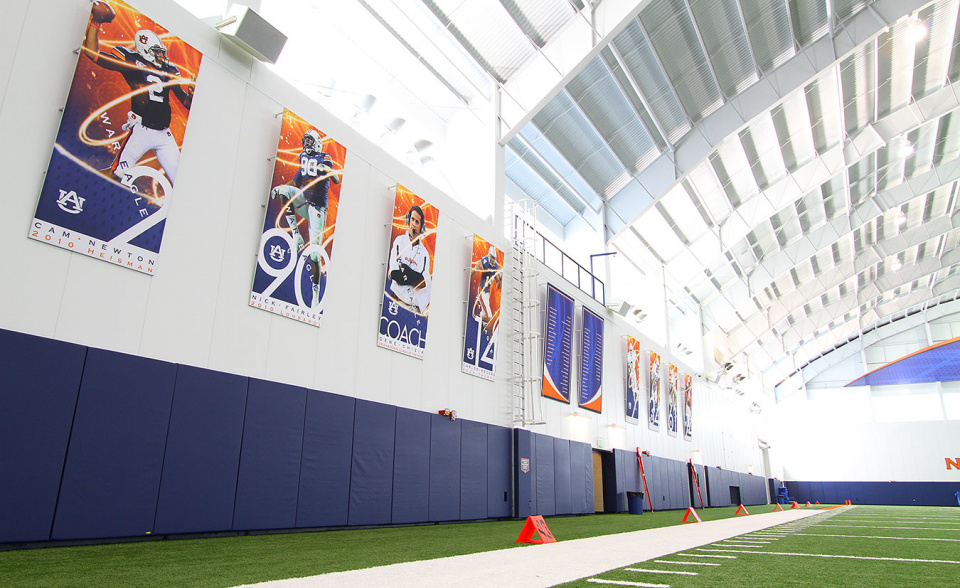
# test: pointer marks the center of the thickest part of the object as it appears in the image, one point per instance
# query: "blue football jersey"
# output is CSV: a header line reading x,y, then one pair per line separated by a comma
x,y
152,105
311,168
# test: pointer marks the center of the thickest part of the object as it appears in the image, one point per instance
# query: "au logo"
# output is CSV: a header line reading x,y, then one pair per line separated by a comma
x,y
277,252
70,202
393,308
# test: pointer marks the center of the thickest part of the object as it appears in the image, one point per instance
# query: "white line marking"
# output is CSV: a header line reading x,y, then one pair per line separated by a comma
x,y
879,527
947,561
747,541
625,583
698,555
877,537
738,545
689,563
661,572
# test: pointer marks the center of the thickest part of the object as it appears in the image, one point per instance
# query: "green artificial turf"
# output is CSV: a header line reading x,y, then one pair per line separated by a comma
x,y
229,561
864,536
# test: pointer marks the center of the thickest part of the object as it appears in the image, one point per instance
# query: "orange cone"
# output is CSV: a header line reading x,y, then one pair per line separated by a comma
x,y
794,505
741,511
808,503
817,502
696,517
777,507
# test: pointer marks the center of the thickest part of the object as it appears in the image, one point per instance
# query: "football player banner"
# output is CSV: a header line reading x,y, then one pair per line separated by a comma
x,y
634,380
557,346
483,310
653,391
406,290
673,391
296,243
687,407
114,162
591,361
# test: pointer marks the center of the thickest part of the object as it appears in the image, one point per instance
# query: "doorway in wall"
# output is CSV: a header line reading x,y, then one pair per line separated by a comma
x,y
597,482
735,495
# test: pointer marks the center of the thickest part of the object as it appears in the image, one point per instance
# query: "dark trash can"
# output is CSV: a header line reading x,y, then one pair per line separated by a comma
x,y
635,502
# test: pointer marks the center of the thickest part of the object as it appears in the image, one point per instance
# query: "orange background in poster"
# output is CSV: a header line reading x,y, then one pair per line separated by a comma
x,y
289,147
95,86
480,248
405,199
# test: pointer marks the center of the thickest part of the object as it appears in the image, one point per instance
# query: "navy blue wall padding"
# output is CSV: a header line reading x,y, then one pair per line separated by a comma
x,y
411,467
199,481
473,470
324,496
578,478
588,477
652,484
371,475
546,476
561,471
36,410
444,468
892,493
499,458
526,482
269,478
111,478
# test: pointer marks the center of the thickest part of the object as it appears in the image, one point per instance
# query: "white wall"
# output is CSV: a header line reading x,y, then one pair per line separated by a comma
x,y
194,310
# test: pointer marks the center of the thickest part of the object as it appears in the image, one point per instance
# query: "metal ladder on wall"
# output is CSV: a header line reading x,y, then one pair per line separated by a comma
x,y
525,344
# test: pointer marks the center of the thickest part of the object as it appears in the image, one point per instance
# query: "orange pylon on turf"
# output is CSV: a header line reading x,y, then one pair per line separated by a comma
x,y
794,505
777,507
847,503
741,511
817,502
808,503
696,517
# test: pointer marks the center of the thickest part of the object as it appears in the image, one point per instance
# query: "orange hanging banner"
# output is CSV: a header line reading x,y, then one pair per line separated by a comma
x,y
535,524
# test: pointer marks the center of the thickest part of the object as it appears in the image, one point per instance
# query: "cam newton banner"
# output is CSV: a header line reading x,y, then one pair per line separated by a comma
x,y
673,391
406,289
687,407
114,163
653,391
296,243
483,310
634,380
557,345
591,361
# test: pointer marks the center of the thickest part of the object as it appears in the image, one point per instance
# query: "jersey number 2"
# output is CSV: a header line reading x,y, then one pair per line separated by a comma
x,y
155,91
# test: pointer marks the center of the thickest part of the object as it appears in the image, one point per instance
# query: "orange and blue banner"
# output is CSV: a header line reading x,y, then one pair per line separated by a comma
x,y
634,385
591,361
687,407
484,293
653,391
296,243
673,391
408,283
114,162
557,345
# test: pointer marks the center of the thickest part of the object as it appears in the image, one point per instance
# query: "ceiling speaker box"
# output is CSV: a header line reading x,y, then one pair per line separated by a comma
x,y
250,31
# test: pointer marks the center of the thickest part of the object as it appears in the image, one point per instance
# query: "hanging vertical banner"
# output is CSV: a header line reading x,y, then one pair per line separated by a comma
x,y
634,380
653,391
406,291
483,310
297,238
687,407
557,345
591,361
115,159
673,391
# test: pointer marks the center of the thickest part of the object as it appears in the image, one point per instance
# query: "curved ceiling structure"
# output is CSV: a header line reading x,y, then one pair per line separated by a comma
x,y
791,166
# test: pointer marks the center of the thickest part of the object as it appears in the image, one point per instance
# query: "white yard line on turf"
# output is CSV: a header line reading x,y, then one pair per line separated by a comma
x,y
541,566
877,537
677,572
879,527
699,555
685,563
946,561
625,583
